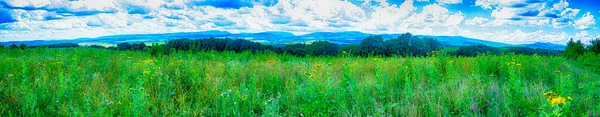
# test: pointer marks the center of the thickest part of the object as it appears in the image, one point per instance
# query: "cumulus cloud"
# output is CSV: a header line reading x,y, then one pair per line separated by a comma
x,y
477,21
60,19
587,21
486,4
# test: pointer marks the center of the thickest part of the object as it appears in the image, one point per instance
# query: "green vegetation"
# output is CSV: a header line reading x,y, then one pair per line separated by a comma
x,y
405,76
97,82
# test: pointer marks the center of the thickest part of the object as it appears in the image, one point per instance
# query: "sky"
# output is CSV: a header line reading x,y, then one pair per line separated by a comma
x,y
508,21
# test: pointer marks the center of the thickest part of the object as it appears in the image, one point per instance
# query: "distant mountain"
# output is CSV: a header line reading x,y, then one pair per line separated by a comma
x,y
343,38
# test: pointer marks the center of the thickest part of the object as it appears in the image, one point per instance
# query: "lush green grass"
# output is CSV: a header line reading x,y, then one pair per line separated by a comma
x,y
81,82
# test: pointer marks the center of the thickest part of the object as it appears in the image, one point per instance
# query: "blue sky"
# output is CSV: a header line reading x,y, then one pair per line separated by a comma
x,y
509,21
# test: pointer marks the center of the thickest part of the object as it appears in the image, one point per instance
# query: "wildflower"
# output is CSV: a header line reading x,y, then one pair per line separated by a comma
x,y
569,76
491,75
344,52
473,107
558,100
557,71
451,61
495,88
569,98
518,64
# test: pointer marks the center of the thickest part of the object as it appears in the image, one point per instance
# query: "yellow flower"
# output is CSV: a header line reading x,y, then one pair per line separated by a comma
x,y
518,64
569,76
557,71
557,101
569,98
344,52
491,75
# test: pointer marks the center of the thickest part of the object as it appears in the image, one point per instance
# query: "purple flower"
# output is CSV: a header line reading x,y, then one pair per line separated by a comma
x,y
500,100
495,88
473,107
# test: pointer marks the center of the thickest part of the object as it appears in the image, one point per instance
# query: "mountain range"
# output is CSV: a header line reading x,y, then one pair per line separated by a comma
x,y
342,38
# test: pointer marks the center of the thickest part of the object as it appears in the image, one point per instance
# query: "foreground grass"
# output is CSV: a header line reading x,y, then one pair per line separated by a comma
x,y
82,82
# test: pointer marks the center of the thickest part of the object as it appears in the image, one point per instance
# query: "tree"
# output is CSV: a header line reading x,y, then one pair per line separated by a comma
x,y
574,49
1,46
372,45
350,50
13,46
475,50
157,49
323,48
124,46
298,49
399,46
22,46
595,46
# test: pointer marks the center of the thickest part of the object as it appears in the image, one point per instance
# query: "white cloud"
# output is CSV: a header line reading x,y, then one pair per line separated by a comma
x,y
477,21
449,1
518,36
486,4
296,16
587,21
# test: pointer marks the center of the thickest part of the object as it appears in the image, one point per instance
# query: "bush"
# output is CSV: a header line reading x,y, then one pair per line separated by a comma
x,y
595,46
22,46
574,49
13,46
350,50
157,49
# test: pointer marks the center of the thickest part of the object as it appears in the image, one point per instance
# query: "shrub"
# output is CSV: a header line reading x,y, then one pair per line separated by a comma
x,y
350,50
595,46
574,49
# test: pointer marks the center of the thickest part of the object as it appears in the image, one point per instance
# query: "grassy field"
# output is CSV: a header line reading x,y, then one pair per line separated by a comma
x,y
94,82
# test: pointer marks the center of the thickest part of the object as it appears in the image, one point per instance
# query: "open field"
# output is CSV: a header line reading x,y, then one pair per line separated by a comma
x,y
95,82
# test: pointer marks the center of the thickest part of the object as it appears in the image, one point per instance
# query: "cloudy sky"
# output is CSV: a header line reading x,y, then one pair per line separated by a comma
x,y
509,21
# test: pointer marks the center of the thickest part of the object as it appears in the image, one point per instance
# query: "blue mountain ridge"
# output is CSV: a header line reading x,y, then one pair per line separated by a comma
x,y
274,37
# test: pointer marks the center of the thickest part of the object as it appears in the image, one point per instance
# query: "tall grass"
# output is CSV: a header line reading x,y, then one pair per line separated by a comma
x,y
93,82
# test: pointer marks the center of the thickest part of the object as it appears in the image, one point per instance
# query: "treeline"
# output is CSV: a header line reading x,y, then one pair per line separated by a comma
x,y
576,49
404,45
60,45
474,50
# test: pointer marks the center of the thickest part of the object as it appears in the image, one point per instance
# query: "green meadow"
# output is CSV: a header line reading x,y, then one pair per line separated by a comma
x,y
99,82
